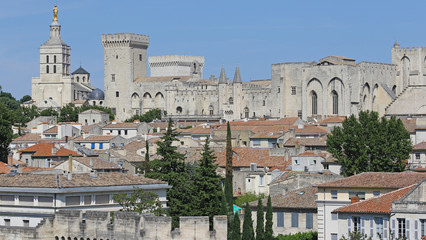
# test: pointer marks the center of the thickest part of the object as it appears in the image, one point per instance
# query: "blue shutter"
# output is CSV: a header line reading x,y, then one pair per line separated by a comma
x,y
93,146
101,145
309,220
280,219
294,219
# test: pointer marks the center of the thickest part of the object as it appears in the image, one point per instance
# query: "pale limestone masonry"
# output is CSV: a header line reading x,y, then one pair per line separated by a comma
x,y
176,65
123,225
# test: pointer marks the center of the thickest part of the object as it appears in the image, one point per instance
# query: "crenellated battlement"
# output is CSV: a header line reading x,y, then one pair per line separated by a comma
x,y
124,40
407,50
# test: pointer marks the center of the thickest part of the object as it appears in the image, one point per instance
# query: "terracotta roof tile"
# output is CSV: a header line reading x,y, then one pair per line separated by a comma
x,y
420,146
243,157
377,180
311,129
4,168
303,198
322,141
197,130
336,119
97,163
78,180
29,137
380,204
409,124
44,149
52,130
281,122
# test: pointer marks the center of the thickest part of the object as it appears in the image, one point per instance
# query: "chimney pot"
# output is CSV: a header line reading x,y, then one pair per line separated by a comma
x,y
355,199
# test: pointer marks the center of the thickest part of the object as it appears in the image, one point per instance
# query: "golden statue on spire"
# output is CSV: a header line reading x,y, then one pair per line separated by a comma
x,y
55,14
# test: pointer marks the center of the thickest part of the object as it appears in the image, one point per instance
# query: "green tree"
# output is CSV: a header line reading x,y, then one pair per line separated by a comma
x,y
269,234
68,113
223,206
8,100
229,193
6,133
260,225
101,108
236,227
25,98
207,185
248,232
149,116
49,112
140,201
146,163
171,168
229,155
248,197
370,144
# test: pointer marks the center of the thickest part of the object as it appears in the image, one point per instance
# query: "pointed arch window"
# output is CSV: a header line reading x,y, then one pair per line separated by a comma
x,y
314,103
335,98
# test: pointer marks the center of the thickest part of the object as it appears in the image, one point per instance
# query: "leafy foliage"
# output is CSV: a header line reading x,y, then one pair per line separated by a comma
x,y
49,112
269,234
140,201
260,226
248,232
355,235
25,98
248,197
229,193
6,133
149,116
236,227
370,144
299,236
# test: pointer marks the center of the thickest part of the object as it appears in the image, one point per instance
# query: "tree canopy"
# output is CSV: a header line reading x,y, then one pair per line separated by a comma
x,y
140,201
149,116
370,144
6,133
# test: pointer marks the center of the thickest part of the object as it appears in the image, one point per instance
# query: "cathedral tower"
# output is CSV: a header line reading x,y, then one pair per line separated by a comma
x,y
124,60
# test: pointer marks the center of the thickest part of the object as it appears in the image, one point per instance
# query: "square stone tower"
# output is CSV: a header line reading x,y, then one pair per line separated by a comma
x,y
125,59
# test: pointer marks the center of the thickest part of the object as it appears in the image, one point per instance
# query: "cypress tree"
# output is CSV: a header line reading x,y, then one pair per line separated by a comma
x,y
146,163
228,180
207,184
260,226
228,154
248,232
171,168
236,227
269,234
223,206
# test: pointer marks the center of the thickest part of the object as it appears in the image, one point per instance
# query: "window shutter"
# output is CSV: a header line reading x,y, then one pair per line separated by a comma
x,y
309,220
407,229
416,229
349,225
393,226
372,227
363,225
385,228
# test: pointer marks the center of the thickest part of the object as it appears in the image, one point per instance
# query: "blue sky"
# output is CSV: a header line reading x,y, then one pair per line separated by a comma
x,y
253,34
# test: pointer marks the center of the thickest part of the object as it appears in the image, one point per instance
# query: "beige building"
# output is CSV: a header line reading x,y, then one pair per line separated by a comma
x,y
93,116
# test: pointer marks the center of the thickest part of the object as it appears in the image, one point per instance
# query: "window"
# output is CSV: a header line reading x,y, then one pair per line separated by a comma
x,y
294,219
293,90
357,223
231,100
279,90
47,69
119,132
314,103
313,162
125,132
376,193
379,226
45,201
401,227
101,145
26,200
26,223
261,180
92,146
140,57
7,222
112,77
361,195
297,162
54,59
179,110
47,59
333,194
72,200
309,220
117,94
299,114
264,102
256,142
334,216
102,199
335,99
422,227
417,156
334,236
280,219
54,68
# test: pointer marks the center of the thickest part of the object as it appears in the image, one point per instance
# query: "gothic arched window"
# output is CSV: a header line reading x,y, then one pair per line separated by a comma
x,y
314,103
78,79
335,98
246,112
211,110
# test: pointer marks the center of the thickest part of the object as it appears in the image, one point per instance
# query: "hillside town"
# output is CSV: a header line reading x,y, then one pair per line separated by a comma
x,y
329,150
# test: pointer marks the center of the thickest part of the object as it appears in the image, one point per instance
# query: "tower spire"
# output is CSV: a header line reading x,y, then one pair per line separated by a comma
x,y
222,77
237,76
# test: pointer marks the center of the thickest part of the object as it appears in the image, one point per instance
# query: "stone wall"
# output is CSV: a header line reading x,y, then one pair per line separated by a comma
x,y
68,224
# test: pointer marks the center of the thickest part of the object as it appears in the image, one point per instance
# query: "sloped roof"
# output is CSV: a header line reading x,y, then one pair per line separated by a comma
x,y
80,70
95,138
97,163
78,180
335,119
303,198
281,122
29,137
420,146
322,141
123,125
44,149
380,204
243,157
4,168
52,130
409,124
377,180
308,129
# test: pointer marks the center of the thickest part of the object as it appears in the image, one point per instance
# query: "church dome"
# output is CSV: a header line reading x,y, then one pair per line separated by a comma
x,y
97,94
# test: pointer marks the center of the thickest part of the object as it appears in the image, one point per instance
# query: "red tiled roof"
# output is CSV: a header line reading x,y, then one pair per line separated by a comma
x,y
410,124
243,157
313,154
282,122
197,130
420,146
336,119
96,138
52,130
29,137
322,141
310,129
377,180
97,163
303,198
34,169
380,204
44,149
4,168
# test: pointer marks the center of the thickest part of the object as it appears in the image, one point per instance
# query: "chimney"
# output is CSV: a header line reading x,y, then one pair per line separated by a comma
x,y
114,122
91,163
70,163
69,176
93,174
53,150
85,135
300,126
355,199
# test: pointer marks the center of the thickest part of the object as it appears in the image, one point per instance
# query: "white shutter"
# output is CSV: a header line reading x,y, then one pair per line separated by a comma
x,y
385,228
371,227
349,225
393,227
416,229
363,225
407,229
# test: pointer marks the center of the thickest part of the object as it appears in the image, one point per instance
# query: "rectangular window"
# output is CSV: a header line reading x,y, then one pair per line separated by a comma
x,y
417,156
279,90
101,145
334,236
294,219
140,57
26,223
119,132
379,226
256,142
26,200
92,146
309,220
45,201
299,114
112,77
293,90
334,216
357,223
261,180
297,161
333,194
422,227
376,193
401,227
280,219
361,195
125,132
87,199
117,94
72,201
7,222
102,199
7,199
